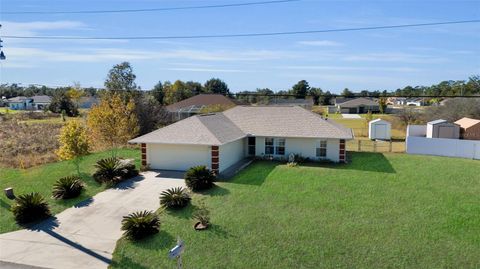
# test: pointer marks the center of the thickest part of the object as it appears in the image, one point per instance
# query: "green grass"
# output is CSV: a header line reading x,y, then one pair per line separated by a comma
x,y
41,178
380,211
5,110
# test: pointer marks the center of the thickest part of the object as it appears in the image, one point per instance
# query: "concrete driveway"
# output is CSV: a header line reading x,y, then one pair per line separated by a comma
x,y
84,236
351,116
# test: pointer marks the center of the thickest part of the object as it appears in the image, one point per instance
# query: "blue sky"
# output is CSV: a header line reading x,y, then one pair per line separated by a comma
x,y
375,60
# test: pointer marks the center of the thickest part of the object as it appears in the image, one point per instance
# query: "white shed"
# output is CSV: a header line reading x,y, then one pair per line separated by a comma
x,y
443,129
379,129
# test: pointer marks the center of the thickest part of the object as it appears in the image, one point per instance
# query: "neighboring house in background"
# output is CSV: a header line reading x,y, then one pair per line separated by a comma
x,y
339,100
358,106
415,102
306,103
195,104
469,128
379,129
221,140
396,101
37,102
442,129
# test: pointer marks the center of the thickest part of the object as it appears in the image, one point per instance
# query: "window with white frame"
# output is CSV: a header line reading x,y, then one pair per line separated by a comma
x,y
321,149
280,146
269,146
274,146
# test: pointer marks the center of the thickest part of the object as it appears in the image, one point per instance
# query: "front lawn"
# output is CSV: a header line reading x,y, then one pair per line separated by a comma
x,y
41,178
380,211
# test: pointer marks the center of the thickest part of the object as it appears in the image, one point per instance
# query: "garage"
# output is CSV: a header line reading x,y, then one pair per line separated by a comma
x,y
177,157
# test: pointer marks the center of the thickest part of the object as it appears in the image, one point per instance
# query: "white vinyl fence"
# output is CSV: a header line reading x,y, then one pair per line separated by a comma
x,y
417,143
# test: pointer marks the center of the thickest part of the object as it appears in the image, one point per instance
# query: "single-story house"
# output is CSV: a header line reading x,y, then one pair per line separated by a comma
x,y
358,106
469,128
37,102
396,101
193,105
415,102
442,129
220,140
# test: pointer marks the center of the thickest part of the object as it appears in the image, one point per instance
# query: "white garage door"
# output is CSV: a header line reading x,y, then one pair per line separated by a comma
x,y
177,157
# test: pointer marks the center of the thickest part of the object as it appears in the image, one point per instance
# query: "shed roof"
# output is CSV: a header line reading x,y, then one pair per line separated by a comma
x,y
378,121
242,121
436,122
467,122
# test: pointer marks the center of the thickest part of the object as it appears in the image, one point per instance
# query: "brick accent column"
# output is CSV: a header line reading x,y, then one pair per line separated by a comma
x,y
144,154
342,153
215,159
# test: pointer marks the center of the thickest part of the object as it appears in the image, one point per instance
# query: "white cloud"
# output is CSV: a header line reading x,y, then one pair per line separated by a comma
x,y
25,54
194,69
33,28
395,57
349,68
320,43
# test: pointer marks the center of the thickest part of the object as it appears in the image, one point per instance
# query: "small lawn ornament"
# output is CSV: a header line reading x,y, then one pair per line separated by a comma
x,y
9,193
291,158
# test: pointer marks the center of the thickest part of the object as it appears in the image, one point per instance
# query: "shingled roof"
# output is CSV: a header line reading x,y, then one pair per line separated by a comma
x,y
358,102
242,121
201,100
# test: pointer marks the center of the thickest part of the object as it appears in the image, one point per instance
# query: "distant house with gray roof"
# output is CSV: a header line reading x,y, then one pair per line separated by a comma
x,y
220,140
37,102
358,106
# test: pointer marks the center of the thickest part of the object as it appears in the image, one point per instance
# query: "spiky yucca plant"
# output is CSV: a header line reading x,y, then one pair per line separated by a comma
x,y
107,170
67,187
140,224
30,207
199,178
174,198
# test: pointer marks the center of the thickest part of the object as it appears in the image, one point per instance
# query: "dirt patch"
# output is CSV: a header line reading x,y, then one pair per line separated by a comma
x,y
25,145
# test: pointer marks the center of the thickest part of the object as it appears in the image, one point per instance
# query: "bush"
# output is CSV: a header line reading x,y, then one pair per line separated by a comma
x,y
30,207
113,170
140,224
174,198
202,214
199,178
67,187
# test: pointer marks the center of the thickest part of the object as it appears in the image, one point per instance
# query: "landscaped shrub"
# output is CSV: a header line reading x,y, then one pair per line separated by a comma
x,y
30,207
174,198
199,178
202,216
127,168
67,187
113,170
140,224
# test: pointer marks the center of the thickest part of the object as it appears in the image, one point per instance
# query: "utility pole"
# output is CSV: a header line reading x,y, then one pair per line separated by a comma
x,y
2,55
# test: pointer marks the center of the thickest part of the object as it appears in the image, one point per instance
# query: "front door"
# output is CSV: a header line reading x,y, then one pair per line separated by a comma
x,y
251,146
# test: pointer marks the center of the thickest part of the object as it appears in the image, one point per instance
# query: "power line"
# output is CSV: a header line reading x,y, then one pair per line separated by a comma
x,y
245,34
150,9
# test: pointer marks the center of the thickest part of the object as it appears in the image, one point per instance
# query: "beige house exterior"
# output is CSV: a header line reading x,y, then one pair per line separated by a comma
x,y
469,128
220,140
